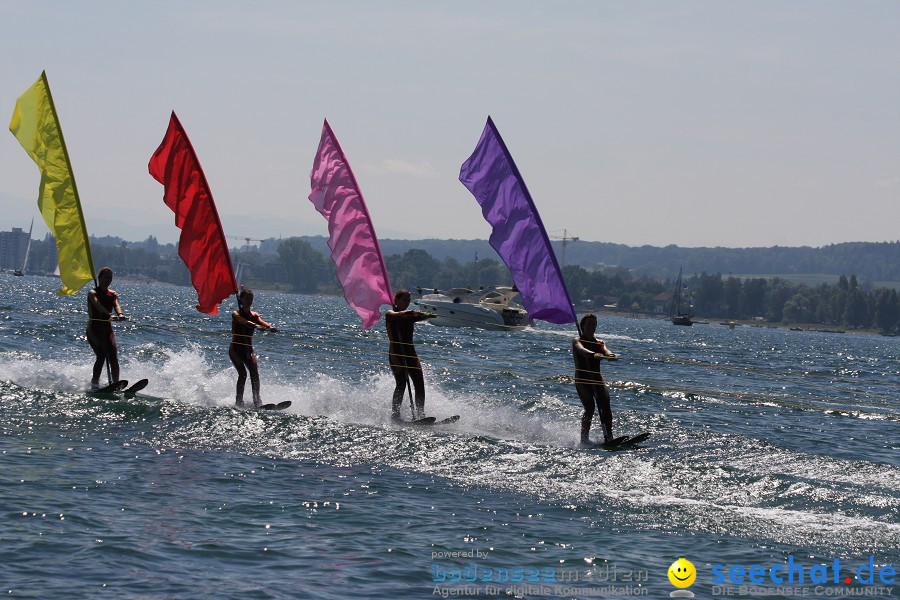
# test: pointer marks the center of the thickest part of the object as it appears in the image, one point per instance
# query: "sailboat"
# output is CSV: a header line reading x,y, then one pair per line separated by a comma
x,y
239,273
21,272
682,304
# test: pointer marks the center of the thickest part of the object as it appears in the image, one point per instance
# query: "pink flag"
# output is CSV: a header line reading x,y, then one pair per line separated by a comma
x,y
354,246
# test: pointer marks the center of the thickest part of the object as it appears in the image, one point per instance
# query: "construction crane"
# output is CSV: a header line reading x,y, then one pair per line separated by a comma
x,y
239,268
565,240
247,240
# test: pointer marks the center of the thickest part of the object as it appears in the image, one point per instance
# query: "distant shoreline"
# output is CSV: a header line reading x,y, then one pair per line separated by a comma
x,y
703,321
699,320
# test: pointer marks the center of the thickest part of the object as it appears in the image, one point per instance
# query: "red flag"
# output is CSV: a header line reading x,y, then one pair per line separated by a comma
x,y
202,244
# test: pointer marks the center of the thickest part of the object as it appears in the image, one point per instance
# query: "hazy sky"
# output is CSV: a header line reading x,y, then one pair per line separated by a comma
x,y
696,123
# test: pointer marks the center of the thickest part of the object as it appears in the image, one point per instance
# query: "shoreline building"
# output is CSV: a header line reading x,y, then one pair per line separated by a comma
x,y
13,245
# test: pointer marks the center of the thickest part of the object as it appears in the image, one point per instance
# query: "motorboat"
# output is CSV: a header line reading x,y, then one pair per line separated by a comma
x,y
488,307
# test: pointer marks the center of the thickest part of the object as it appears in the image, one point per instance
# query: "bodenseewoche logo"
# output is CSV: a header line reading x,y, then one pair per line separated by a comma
x,y
682,574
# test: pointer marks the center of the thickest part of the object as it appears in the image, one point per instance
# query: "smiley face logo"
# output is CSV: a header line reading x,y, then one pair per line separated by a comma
x,y
682,573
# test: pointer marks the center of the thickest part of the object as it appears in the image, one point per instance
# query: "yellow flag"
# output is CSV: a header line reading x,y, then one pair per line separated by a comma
x,y
35,125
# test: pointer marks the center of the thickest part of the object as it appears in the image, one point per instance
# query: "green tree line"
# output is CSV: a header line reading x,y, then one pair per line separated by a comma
x,y
845,304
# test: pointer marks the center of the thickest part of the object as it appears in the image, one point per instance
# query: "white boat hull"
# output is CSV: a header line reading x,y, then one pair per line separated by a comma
x,y
484,314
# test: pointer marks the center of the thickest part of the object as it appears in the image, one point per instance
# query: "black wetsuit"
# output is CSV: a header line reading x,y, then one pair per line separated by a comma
x,y
100,334
590,385
241,353
403,359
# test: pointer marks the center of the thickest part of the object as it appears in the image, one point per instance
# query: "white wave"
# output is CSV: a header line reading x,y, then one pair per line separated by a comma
x,y
529,448
569,334
187,376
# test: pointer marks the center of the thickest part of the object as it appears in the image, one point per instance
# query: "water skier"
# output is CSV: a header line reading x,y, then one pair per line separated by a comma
x,y
243,323
102,302
588,351
402,353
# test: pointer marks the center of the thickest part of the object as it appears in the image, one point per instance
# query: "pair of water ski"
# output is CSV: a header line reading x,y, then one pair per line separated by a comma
x,y
122,387
425,421
624,441
273,406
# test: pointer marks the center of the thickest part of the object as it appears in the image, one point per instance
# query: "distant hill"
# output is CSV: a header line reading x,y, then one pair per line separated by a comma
x,y
462,250
870,261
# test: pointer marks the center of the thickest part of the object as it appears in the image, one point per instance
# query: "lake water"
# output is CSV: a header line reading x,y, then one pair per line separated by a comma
x,y
767,446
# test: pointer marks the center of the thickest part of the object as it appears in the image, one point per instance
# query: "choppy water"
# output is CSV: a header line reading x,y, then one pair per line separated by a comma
x,y
766,444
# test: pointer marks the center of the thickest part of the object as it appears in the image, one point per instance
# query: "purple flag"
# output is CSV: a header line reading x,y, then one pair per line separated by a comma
x,y
354,246
518,234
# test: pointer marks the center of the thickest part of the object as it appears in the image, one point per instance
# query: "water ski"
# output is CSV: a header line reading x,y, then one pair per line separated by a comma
x,y
623,441
279,406
613,443
111,388
452,419
637,439
424,421
134,389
